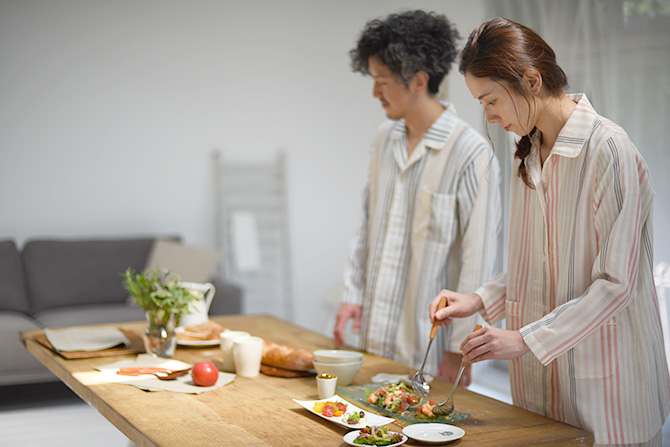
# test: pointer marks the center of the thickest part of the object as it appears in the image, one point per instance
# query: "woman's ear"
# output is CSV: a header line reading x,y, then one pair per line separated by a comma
x,y
533,80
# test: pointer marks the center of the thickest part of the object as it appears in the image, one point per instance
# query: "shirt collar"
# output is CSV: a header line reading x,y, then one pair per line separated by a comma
x,y
437,135
574,134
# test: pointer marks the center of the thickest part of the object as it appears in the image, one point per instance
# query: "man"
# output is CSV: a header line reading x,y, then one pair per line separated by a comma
x,y
432,207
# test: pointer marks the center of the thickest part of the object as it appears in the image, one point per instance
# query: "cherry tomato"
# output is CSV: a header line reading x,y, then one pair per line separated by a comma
x,y
204,374
341,407
328,411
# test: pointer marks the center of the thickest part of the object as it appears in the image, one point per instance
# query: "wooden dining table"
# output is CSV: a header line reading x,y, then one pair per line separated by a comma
x,y
260,411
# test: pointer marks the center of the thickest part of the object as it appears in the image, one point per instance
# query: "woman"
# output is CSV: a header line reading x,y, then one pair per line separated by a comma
x,y
583,333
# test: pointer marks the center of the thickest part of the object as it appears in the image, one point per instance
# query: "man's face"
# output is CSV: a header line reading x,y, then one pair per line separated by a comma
x,y
395,97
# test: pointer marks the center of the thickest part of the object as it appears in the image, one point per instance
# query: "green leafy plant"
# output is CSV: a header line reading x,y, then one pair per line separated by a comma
x,y
159,292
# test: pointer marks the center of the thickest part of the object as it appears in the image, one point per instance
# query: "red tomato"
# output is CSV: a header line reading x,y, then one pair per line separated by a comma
x,y
204,374
328,411
341,407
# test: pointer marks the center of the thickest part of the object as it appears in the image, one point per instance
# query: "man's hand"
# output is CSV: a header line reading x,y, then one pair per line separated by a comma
x,y
345,313
458,305
493,343
449,366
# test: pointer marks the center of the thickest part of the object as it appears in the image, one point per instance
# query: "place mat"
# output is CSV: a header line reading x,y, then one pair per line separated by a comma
x,y
148,382
136,346
286,373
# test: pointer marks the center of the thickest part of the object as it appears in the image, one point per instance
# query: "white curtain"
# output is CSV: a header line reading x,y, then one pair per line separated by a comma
x,y
618,53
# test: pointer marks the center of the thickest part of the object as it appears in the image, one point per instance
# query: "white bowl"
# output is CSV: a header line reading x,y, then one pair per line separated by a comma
x,y
337,356
345,372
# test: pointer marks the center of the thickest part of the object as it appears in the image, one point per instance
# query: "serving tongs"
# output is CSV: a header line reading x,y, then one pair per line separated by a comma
x,y
447,407
419,382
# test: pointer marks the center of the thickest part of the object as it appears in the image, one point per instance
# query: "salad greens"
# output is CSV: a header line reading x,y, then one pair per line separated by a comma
x,y
374,435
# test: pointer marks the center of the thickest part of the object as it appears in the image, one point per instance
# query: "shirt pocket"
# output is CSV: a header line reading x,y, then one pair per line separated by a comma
x,y
436,217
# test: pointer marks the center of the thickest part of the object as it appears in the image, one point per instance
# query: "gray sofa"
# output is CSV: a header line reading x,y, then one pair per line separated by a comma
x,y
56,283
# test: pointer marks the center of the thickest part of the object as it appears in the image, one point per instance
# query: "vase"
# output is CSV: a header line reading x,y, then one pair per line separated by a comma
x,y
160,338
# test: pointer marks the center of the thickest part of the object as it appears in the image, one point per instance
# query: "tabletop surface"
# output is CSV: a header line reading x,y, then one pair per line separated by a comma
x,y
260,411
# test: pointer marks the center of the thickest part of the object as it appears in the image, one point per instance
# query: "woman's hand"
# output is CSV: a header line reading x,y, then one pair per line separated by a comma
x,y
458,305
493,343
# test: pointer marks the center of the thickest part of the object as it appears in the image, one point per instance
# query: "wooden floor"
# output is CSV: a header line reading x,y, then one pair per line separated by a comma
x,y
51,415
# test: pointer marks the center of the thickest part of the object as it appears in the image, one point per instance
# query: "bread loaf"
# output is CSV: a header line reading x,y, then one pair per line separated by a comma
x,y
285,357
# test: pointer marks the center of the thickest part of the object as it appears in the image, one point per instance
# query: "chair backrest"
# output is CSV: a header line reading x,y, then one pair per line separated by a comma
x,y
253,232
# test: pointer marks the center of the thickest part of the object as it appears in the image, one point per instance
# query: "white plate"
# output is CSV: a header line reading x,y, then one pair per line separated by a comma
x,y
349,439
198,342
214,342
433,433
373,419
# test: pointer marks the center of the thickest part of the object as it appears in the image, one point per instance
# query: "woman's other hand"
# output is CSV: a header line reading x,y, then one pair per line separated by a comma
x,y
493,343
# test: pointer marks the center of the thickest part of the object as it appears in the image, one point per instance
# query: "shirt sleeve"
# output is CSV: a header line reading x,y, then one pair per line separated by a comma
x,y
622,204
354,271
493,295
480,213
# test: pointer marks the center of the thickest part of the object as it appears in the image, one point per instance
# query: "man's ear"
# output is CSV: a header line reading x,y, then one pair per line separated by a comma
x,y
532,80
419,82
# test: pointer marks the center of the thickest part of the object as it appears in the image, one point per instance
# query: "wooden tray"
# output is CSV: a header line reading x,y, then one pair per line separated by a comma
x,y
136,347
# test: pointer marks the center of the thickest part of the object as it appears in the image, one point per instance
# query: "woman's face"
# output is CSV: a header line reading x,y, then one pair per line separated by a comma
x,y
502,105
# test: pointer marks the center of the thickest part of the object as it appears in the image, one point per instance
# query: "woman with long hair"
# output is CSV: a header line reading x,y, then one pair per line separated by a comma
x,y
583,332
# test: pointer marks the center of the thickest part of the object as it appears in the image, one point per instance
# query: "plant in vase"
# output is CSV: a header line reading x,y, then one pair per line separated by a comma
x,y
164,299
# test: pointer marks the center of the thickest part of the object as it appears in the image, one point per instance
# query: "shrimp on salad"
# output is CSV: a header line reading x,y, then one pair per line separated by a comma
x,y
394,398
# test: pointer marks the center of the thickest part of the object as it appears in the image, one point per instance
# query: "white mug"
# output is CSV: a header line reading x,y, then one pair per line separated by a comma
x,y
227,338
248,353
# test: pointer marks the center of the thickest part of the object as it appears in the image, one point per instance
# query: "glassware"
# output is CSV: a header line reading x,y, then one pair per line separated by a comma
x,y
160,337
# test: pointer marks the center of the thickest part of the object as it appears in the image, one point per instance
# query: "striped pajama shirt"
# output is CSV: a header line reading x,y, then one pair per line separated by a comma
x,y
430,221
579,285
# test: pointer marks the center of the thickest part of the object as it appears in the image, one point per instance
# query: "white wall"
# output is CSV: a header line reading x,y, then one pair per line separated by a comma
x,y
109,112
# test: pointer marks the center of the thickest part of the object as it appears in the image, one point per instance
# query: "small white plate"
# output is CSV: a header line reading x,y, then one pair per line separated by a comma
x,y
433,433
373,419
198,342
349,439
214,342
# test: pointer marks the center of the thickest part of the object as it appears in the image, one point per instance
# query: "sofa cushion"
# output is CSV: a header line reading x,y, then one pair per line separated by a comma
x,y
18,365
69,273
12,283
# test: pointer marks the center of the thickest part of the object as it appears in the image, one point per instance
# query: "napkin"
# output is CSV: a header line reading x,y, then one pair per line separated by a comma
x,y
183,384
85,339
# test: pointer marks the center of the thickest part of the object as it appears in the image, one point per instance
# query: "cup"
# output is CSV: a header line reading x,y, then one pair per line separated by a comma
x,y
227,338
325,385
247,352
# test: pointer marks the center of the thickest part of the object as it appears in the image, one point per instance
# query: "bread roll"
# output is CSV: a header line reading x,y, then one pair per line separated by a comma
x,y
285,357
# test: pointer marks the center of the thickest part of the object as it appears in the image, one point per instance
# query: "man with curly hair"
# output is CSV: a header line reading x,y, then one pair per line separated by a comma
x,y
432,207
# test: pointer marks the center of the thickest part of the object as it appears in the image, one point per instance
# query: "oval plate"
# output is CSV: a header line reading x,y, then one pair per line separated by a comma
x,y
433,433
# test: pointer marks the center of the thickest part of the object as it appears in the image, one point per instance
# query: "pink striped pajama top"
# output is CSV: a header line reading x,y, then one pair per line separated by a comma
x,y
579,285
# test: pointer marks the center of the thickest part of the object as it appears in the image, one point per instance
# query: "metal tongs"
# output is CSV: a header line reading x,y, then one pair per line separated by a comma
x,y
447,407
419,382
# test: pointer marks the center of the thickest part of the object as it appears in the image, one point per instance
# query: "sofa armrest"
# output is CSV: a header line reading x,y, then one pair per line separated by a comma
x,y
228,298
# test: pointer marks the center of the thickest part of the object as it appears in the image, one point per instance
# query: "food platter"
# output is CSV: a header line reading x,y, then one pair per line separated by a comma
x,y
349,439
358,394
433,433
373,419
